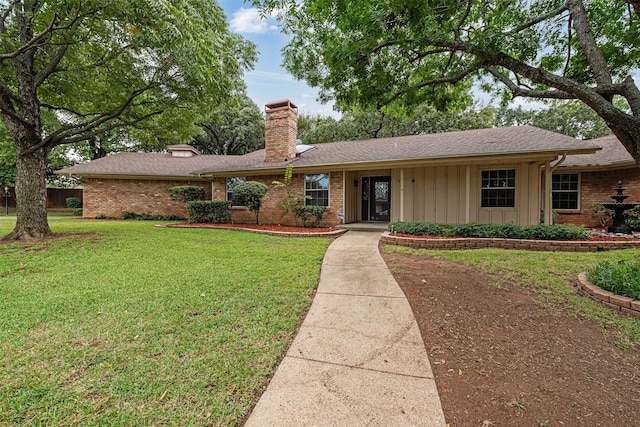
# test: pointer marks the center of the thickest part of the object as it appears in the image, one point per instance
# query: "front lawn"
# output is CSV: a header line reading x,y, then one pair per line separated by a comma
x,y
122,323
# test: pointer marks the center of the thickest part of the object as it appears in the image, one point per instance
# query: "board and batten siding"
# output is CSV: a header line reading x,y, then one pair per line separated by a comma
x,y
451,195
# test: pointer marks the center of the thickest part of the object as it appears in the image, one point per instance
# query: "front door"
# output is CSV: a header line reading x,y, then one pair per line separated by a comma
x,y
376,198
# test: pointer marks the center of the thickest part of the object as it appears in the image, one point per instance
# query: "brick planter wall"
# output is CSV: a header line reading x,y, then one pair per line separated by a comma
x,y
529,245
611,300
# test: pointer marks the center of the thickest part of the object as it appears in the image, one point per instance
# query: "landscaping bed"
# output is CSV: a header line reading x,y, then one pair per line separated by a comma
x,y
507,351
273,229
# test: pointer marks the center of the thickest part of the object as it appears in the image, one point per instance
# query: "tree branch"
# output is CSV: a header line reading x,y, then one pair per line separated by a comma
x,y
42,75
100,130
516,90
452,79
566,64
538,20
31,43
456,29
587,42
66,133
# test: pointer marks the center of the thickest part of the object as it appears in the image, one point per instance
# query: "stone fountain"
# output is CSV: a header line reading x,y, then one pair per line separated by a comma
x,y
619,223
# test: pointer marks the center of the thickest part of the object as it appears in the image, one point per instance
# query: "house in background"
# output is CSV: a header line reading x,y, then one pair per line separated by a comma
x,y
485,175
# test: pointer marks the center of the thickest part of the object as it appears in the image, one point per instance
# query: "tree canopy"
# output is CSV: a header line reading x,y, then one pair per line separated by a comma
x,y
76,70
376,124
236,127
397,54
571,118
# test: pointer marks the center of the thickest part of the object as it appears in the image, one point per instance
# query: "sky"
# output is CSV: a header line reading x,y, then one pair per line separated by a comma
x,y
269,81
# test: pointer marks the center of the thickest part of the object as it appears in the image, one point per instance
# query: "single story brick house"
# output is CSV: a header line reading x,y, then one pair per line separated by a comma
x,y
488,175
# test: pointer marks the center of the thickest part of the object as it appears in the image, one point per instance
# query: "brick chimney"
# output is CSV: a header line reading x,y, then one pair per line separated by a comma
x,y
281,131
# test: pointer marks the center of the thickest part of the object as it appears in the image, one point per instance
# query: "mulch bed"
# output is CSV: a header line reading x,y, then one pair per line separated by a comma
x,y
500,359
262,227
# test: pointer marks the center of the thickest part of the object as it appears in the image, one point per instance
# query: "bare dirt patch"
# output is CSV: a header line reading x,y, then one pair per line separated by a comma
x,y
501,359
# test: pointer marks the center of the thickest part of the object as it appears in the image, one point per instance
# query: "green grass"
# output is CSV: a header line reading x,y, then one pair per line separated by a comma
x,y
550,275
122,323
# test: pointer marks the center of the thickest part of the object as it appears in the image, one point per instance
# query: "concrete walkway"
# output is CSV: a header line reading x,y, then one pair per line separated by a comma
x,y
358,359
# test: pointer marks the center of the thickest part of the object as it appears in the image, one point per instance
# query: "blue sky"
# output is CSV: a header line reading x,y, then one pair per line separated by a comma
x,y
269,81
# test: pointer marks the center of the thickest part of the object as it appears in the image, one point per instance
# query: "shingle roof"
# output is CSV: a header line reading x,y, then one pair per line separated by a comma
x,y
472,143
612,153
144,164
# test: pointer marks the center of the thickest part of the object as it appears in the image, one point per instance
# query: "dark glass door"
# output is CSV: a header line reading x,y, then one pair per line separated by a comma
x,y
376,198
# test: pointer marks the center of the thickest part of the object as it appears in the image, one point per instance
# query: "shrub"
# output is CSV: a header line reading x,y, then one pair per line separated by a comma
x,y
209,211
103,216
505,231
151,217
310,213
293,200
186,193
556,232
633,218
602,214
474,229
73,202
250,194
621,278
417,228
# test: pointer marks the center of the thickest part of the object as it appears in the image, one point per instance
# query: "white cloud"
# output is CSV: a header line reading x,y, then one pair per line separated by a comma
x,y
269,75
249,21
527,103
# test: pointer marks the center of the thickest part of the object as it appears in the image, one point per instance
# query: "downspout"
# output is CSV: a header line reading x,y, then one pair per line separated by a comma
x,y
548,197
210,181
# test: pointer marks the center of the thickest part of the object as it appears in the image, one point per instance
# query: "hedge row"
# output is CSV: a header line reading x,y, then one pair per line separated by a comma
x,y
150,217
506,231
209,211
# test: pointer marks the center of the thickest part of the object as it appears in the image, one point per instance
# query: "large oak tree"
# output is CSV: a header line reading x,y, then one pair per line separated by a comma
x,y
400,53
232,129
94,66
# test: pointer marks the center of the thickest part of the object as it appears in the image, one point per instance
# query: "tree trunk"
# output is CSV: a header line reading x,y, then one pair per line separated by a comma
x,y
31,197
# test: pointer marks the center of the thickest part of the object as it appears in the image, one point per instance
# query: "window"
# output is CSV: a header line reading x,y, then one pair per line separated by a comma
x,y
499,188
564,191
231,183
317,186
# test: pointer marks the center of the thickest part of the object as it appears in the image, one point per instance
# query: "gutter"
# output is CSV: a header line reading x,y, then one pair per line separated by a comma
x,y
554,167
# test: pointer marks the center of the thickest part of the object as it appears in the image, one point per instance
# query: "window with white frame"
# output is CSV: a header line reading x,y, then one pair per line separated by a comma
x,y
231,183
317,186
498,188
565,190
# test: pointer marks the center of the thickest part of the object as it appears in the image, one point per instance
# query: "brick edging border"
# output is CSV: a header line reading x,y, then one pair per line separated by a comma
x,y
611,300
529,245
335,233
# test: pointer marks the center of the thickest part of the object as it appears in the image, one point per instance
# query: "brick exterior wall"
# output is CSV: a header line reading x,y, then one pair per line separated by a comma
x,y
281,129
271,211
114,197
596,188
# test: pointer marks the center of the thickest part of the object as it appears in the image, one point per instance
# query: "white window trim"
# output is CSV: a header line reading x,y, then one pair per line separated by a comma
x,y
579,191
226,187
328,187
515,188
